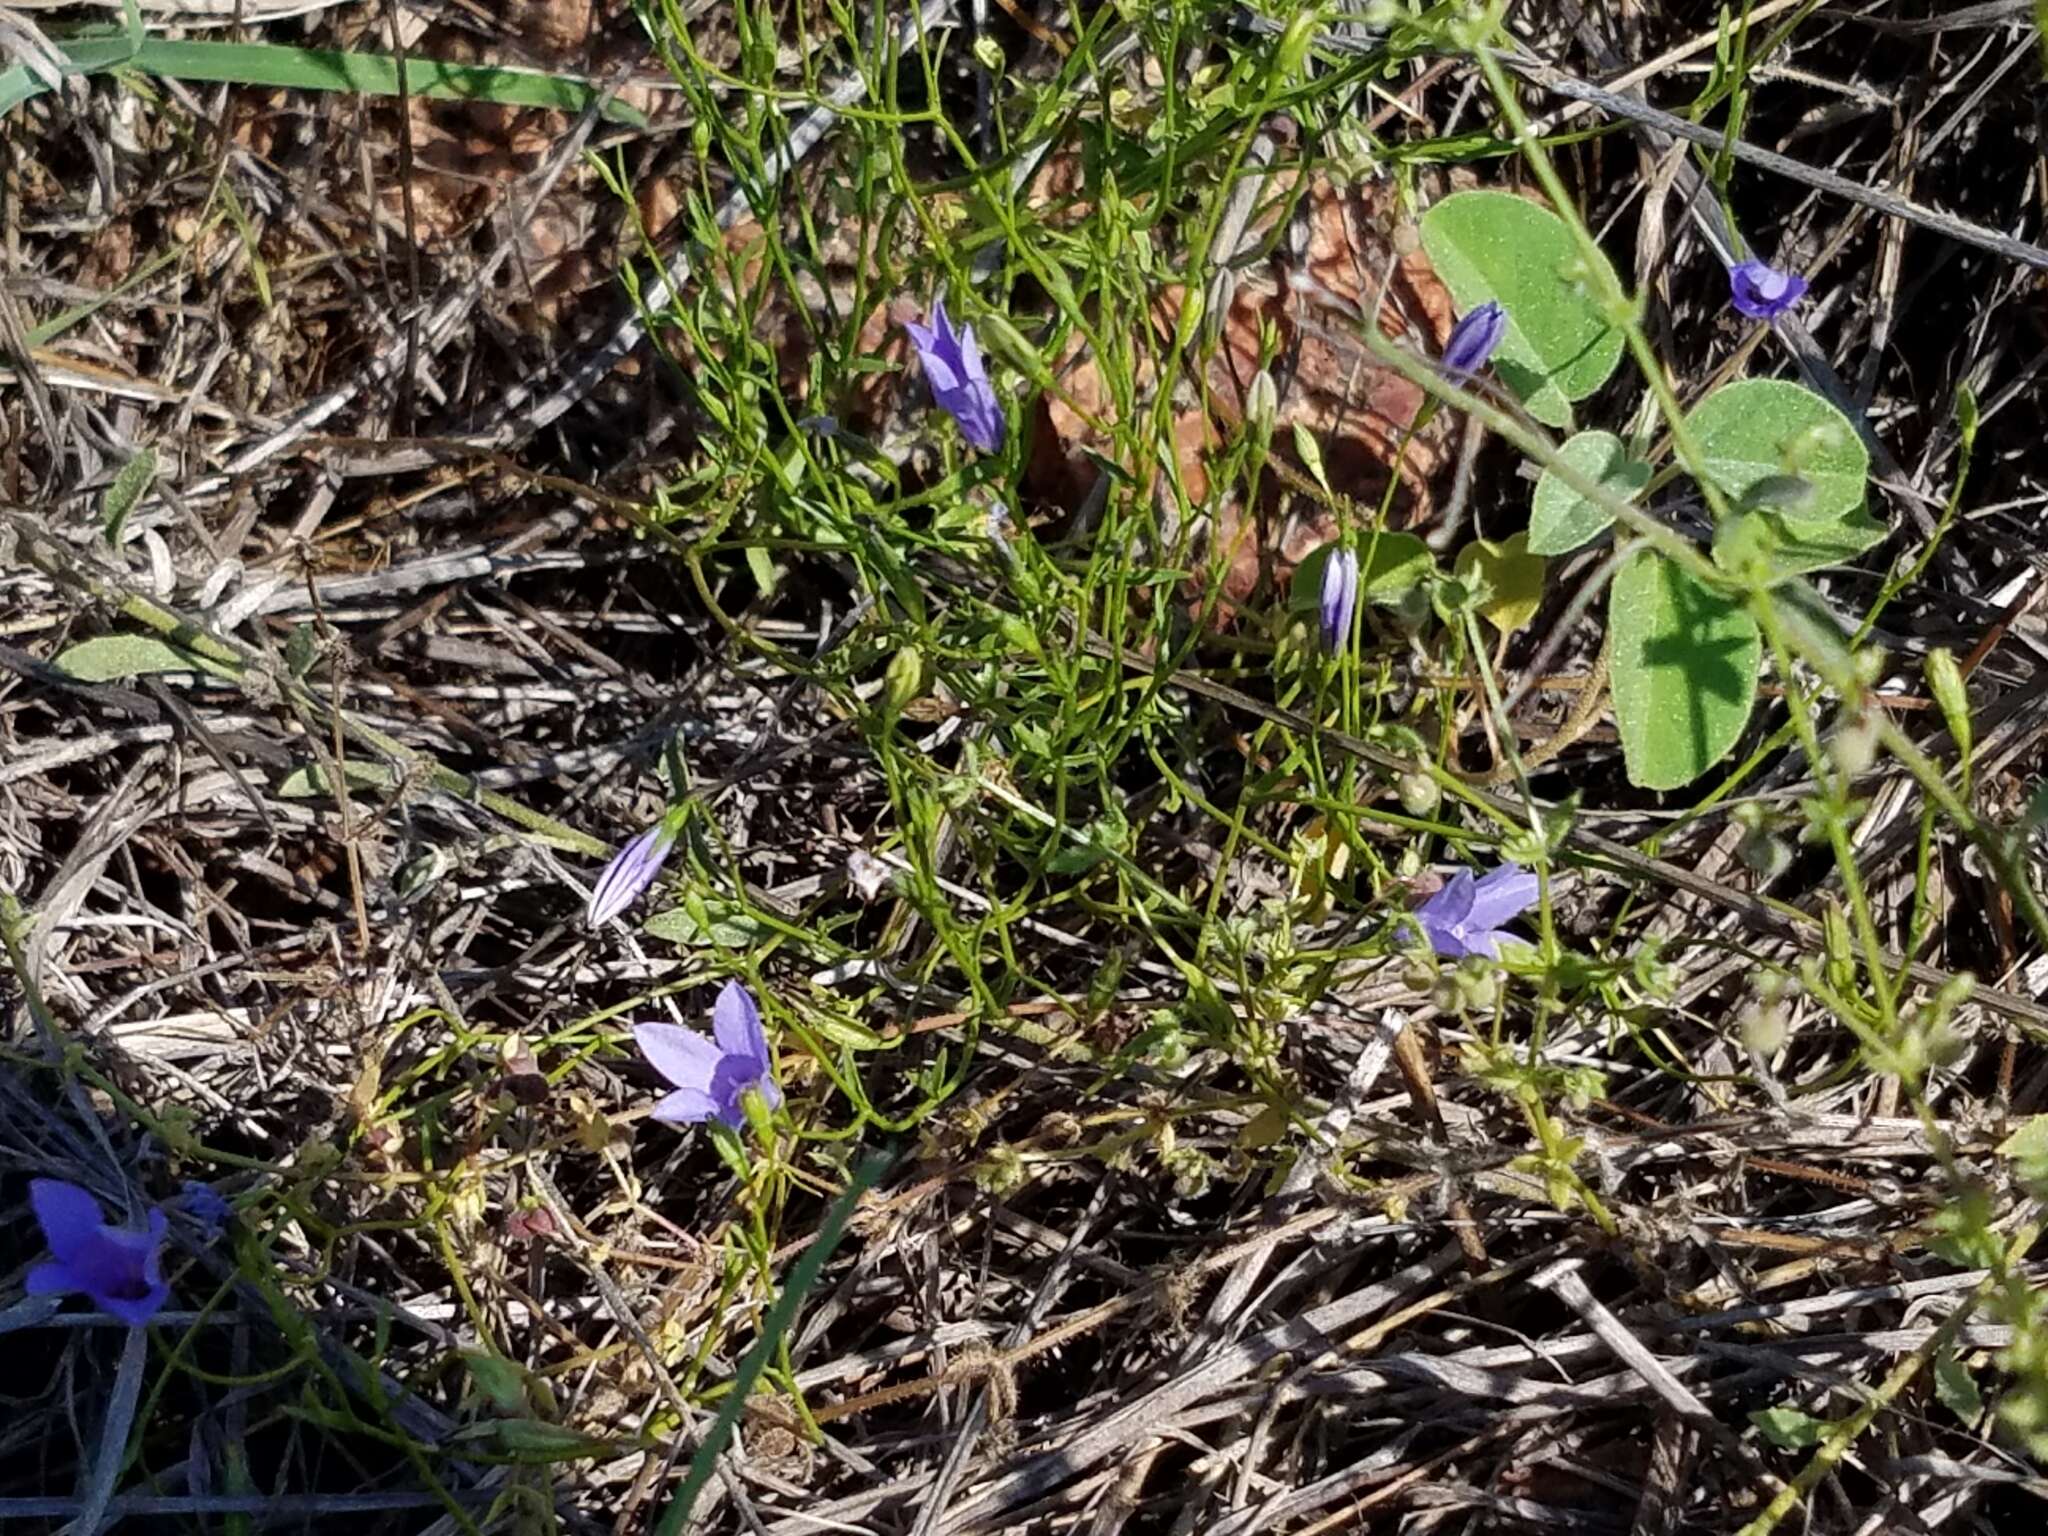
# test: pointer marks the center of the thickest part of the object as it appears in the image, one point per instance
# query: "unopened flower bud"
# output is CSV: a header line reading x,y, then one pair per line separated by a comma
x,y
1765,853
1854,745
1261,406
1419,794
1764,1028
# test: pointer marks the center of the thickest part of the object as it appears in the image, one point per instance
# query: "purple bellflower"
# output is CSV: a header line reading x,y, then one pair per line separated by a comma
x,y
1473,340
1340,595
630,872
207,1207
118,1269
958,377
1465,917
1761,291
711,1077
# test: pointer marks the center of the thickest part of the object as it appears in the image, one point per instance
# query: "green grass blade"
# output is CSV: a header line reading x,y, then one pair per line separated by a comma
x,y
801,1278
371,74
321,69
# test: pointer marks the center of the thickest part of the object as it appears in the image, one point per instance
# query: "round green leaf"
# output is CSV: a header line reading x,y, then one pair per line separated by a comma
x,y
1562,519
1391,565
1559,347
1765,548
1791,1429
1781,448
1683,669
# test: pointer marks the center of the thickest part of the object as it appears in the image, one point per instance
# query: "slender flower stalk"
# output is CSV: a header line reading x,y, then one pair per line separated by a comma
x,y
1761,291
1340,595
632,869
959,379
118,1269
711,1078
1473,339
1465,917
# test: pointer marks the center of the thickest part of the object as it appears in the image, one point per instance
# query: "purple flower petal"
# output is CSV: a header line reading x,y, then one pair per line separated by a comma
x,y
206,1206
958,378
1761,291
1339,597
1451,905
1464,917
1505,893
1474,338
119,1270
943,324
52,1277
685,1106
682,1056
713,1077
1448,940
942,376
736,1022
135,1311
70,1218
632,869
736,1076
729,1089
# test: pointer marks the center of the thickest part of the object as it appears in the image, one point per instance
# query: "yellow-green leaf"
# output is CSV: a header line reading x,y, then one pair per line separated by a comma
x,y
1513,578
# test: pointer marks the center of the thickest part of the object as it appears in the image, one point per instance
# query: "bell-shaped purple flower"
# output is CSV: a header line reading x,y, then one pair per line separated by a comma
x,y
118,1269
1473,340
959,379
1465,917
630,872
711,1077
1761,291
207,1206
1340,595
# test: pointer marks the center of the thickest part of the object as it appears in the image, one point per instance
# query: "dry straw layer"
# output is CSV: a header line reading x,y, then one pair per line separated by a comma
x,y
1064,864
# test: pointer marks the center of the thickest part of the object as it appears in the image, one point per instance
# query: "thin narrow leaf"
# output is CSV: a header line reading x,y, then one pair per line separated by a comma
x,y
309,782
126,493
322,69
371,74
802,1276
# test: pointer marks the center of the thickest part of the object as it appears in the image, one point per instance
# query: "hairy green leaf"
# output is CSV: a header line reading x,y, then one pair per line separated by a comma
x,y
1780,448
1684,671
1559,346
109,658
1561,519
1766,548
